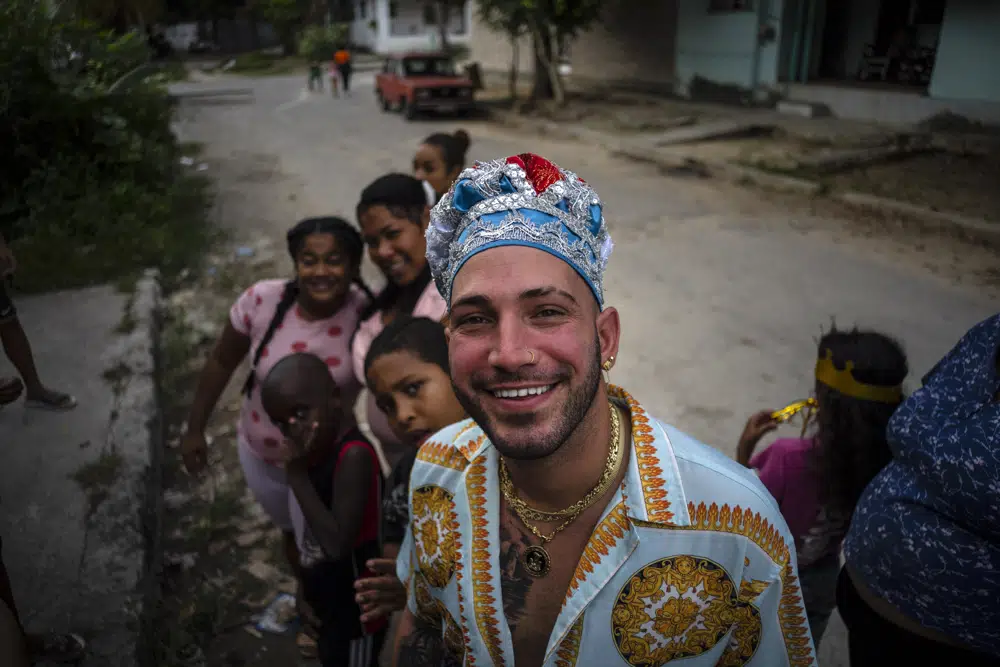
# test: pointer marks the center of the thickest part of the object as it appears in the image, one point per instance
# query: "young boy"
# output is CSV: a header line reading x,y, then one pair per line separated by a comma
x,y
335,477
315,76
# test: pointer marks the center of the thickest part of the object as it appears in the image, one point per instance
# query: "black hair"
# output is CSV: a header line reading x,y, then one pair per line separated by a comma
x,y
851,435
453,147
402,194
350,241
404,197
420,336
301,375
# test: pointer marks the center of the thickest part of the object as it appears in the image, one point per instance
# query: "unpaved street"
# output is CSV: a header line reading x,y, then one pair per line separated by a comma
x,y
722,291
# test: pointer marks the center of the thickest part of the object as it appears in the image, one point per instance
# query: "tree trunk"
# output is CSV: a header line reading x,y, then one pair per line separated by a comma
x,y
548,83
443,14
515,59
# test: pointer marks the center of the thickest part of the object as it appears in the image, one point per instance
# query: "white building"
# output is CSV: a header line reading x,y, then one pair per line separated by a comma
x,y
394,26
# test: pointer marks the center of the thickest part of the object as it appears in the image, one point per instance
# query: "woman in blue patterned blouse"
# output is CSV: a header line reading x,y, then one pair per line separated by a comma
x,y
922,580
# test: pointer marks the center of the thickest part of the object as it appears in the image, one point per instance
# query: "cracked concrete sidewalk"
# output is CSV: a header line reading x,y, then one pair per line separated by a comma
x,y
78,490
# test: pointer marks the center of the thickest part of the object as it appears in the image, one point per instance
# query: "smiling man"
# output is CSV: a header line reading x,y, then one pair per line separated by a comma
x,y
562,524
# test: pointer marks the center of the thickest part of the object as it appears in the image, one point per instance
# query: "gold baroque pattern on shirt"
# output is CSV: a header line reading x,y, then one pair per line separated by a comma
x,y
484,596
470,448
434,613
607,533
650,472
682,607
442,455
791,613
435,527
569,647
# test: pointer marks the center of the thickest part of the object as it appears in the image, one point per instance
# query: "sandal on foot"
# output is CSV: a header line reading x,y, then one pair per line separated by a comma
x,y
53,400
66,648
307,645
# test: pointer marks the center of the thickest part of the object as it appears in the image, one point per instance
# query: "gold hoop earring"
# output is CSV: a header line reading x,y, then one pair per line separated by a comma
x,y
607,365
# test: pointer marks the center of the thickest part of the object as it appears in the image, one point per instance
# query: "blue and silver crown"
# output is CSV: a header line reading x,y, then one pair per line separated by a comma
x,y
521,200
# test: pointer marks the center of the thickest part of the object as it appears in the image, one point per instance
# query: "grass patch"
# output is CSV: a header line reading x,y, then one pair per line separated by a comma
x,y
96,477
262,64
123,232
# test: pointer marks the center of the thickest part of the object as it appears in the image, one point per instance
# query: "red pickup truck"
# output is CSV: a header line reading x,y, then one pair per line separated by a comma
x,y
416,82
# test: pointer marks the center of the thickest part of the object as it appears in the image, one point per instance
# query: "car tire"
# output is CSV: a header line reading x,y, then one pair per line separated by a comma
x,y
382,102
409,110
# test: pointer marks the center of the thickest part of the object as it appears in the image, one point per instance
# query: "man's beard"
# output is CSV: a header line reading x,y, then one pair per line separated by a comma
x,y
528,444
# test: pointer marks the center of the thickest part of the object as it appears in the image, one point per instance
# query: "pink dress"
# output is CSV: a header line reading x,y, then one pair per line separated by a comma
x,y
429,305
329,339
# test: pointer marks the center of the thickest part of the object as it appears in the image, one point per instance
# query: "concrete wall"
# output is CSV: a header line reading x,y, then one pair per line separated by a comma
x,y
968,52
718,46
633,43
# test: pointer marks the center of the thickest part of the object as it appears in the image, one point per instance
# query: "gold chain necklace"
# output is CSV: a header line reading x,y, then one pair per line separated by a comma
x,y
536,559
603,482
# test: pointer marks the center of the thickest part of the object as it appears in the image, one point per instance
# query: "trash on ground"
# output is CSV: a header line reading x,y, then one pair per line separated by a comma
x,y
279,616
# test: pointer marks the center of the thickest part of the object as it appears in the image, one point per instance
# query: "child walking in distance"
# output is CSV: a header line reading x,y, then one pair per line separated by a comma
x,y
817,479
315,76
407,372
336,480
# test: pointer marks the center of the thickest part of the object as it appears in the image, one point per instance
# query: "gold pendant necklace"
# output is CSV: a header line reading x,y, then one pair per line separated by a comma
x,y
536,559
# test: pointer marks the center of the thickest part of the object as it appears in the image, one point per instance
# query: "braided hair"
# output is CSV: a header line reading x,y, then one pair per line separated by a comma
x,y
349,240
404,197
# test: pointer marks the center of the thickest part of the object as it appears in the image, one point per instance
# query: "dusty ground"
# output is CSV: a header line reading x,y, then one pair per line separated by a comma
x,y
722,291
961,183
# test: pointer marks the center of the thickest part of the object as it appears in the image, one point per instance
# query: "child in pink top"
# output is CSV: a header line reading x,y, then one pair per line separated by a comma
x,y
328,338
317,312
817,479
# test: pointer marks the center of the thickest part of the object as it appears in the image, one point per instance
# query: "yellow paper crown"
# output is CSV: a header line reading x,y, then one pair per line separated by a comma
x,y
844,382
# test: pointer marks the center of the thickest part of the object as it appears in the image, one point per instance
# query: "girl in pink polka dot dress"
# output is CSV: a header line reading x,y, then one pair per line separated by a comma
x,y
316,312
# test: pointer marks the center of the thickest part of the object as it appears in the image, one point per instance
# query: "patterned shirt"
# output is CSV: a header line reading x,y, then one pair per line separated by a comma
x,y
926,533
691,561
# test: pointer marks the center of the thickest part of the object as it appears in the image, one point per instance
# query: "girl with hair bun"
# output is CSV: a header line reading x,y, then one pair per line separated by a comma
x,y
439,160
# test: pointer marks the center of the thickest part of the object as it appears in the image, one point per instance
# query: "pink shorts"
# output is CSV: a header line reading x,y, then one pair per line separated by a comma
x,y
269,487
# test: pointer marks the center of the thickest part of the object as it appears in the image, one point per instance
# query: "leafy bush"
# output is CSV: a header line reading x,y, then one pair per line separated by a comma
x,y
321,42
92,184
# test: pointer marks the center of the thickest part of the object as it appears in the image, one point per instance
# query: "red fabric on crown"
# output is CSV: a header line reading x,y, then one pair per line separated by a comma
x,y
540,172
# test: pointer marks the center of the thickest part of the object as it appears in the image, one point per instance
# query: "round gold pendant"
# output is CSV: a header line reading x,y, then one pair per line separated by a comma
x,y
536,561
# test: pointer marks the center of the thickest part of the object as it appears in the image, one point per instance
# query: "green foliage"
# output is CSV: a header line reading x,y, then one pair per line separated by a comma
x,y
92,183
563,18
321,42
287,16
